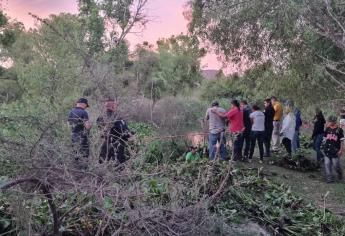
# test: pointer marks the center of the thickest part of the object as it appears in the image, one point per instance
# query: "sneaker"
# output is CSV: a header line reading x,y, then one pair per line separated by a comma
x,y
261,162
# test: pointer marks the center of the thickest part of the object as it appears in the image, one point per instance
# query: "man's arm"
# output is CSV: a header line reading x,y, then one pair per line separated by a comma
x,y
220,114
207,115
341,136
340,153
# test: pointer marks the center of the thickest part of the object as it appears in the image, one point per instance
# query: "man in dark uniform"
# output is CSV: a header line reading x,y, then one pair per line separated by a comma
x,y
78,119
115,133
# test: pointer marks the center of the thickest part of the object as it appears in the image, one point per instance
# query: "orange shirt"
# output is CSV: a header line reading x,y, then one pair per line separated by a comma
x,y
278,108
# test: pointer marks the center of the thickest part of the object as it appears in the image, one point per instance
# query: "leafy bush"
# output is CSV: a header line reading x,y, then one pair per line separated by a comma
x,y
142,129
165,151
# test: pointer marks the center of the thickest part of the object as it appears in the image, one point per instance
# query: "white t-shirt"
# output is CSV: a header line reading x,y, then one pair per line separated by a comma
x,y
258,121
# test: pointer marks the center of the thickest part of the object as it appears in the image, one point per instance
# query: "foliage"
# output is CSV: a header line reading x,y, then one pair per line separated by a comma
x,y
173,70
262,82
142,130
276,207
159,152
298,39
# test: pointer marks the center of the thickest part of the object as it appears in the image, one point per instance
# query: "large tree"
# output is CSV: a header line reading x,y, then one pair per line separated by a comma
x,y
292,33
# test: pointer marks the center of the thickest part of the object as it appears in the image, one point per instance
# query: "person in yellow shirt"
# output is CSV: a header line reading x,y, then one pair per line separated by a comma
x,y
278,115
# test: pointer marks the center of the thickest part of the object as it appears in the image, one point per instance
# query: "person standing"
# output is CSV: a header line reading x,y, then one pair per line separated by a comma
x,y
235,117
297,113
258,130
247,128
269,115
216,131
333,149
78,119
278,108
115,133
288,129
318,133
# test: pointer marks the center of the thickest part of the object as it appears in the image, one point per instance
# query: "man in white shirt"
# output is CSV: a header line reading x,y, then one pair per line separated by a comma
x,y
258,129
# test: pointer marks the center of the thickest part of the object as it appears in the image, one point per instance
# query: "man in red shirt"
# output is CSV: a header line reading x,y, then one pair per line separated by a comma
x,y
235,117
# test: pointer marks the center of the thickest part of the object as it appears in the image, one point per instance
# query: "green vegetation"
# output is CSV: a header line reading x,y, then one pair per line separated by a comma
x,y
292,49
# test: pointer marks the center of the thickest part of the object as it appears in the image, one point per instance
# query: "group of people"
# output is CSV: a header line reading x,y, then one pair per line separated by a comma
x,y
114,131
328,137
250,125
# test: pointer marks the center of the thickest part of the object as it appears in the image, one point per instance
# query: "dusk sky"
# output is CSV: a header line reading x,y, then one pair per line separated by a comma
x,y
167,19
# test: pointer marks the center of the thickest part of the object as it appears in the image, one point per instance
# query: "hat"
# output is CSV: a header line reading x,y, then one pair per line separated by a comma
x,y
332,118
83,100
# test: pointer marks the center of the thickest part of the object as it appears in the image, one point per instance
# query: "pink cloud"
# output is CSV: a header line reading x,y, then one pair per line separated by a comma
x,y
167,19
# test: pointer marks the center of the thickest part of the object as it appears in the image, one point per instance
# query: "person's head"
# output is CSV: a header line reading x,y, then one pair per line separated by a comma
x,y
318,112
332,120
235,103
288,109
243,103
255,108
215,104
274,99
82,103
289,103
110,105
193,149
267,102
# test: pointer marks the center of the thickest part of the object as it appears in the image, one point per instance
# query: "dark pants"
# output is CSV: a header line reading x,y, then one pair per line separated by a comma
x,y
287,144
330,162
238,144
267,140
296,142
81,145
317,146
246,143
257,136
111,150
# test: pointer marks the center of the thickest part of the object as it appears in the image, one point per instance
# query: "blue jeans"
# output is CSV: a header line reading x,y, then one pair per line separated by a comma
x,y
295,142
317,146
259,136
212,141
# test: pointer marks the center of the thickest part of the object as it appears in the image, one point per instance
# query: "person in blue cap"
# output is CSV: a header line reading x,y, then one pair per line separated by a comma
x,y
78,120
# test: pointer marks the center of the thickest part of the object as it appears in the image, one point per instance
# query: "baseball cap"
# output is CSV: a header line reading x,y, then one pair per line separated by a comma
x,y
83,100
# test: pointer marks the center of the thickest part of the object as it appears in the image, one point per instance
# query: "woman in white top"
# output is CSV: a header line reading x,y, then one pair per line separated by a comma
x,y
288,129
258,131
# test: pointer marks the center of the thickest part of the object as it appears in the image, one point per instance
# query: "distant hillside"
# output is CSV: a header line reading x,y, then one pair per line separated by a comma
x,y
210,74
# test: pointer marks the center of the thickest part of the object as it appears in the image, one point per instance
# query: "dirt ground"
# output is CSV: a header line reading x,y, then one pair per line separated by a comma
x,y
309,185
